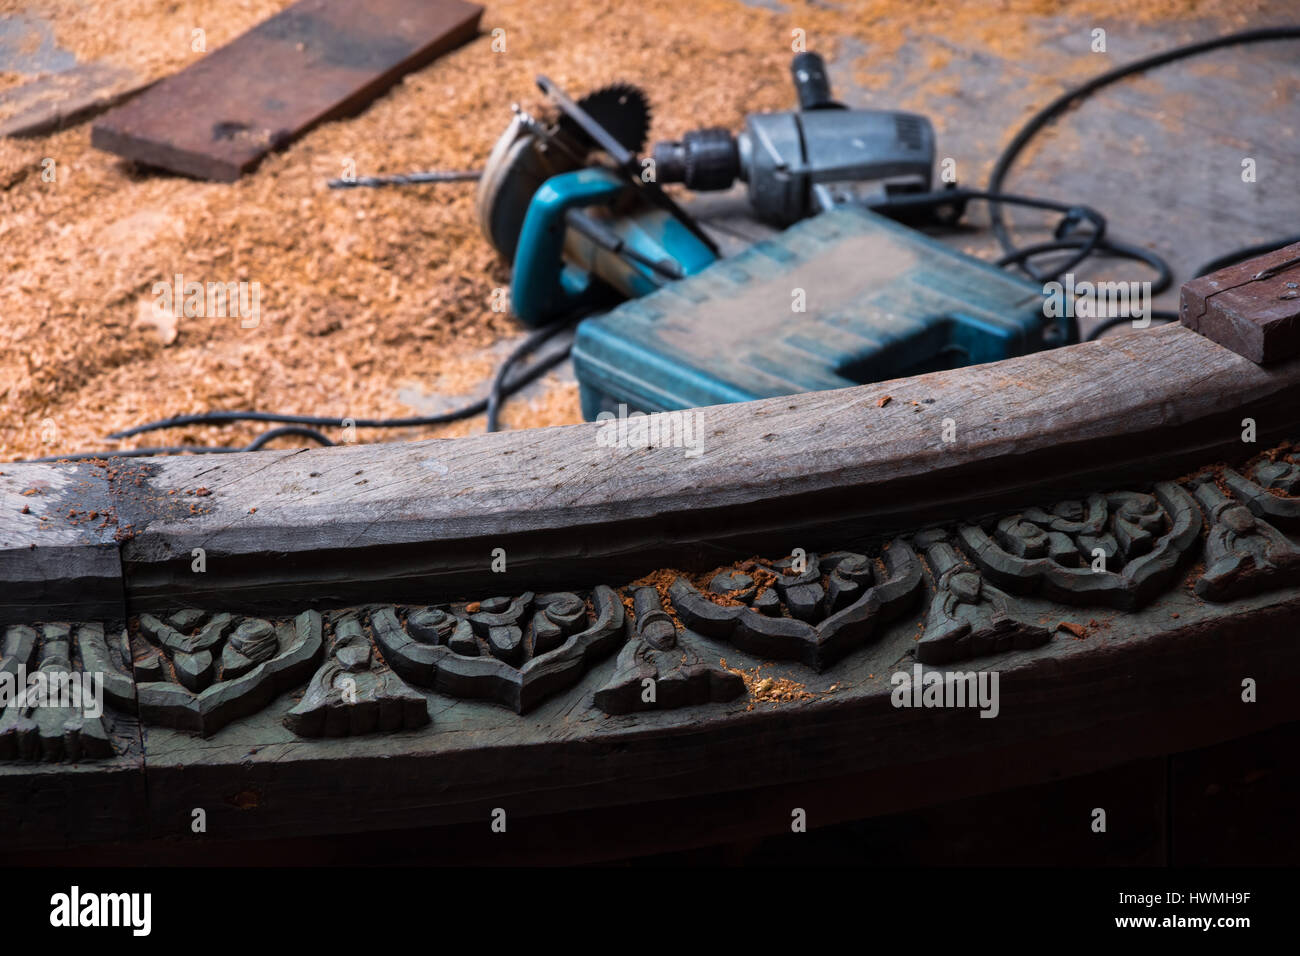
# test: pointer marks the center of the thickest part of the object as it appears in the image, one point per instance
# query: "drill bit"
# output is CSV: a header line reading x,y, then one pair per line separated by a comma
x,y
409,179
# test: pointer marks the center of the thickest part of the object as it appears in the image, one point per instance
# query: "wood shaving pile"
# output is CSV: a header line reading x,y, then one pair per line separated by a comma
x,y
769,690
368,297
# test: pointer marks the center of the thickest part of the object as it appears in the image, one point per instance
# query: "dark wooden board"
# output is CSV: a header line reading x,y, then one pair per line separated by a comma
x,y
56,561
316,60
1252,307
1015,825
1138,685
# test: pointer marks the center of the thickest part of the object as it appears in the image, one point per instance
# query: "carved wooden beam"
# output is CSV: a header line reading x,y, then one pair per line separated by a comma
x,y
419,521
1085,542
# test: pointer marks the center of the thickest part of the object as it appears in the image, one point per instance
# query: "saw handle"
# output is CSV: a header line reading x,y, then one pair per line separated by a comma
x,y
542,285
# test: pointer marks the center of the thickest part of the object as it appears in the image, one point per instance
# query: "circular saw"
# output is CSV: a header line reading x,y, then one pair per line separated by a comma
x,y
531,151
568,201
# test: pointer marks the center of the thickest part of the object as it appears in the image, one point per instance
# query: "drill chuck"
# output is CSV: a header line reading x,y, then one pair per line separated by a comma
x,y
703,159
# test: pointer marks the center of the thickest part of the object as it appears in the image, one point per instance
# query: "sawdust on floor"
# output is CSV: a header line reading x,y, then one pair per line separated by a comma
x,y
370,293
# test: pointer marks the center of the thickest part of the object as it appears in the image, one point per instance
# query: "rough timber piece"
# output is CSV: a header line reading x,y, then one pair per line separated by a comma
x,y
1167,673
353,693
1244,554
58,557
518,679
1119,549
315,61
1252,307
59,100
417,523
967,616
660,670
202,699
815,632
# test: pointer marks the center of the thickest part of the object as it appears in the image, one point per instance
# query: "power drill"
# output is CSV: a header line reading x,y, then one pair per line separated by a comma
x,y
801,162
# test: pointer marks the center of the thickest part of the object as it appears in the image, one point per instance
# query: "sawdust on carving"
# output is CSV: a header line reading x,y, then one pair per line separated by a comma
x,y
760,687
766,689
758,569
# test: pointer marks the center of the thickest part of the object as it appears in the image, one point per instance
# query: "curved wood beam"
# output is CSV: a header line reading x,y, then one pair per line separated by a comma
x,y
1069,540
420,520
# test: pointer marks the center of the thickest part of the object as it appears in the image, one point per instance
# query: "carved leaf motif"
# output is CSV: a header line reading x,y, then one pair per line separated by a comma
x,y
1244,554
968,617
1142,538
659,669
836,605
514,651
1270,491
353,693
197,671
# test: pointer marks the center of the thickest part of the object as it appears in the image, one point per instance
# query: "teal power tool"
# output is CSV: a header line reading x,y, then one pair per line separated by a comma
x,y
586,224
568,205
843,296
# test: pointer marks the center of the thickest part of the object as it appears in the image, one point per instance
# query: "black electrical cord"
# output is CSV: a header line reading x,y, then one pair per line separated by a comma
x,y
273,433
1164,275
501,389
534,339
1232,258
530,374
1059,105
1067,233
255,445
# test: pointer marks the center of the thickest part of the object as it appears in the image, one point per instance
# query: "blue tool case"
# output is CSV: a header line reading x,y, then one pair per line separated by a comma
x,y
844,298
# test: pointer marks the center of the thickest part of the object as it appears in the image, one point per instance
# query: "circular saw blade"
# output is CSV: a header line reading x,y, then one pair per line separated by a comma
x,y
622,109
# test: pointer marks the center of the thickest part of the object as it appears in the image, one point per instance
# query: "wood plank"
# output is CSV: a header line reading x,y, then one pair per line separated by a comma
x,y
1252,307
1014,826
1050,718
57,562
1145,683
315,61
422,519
